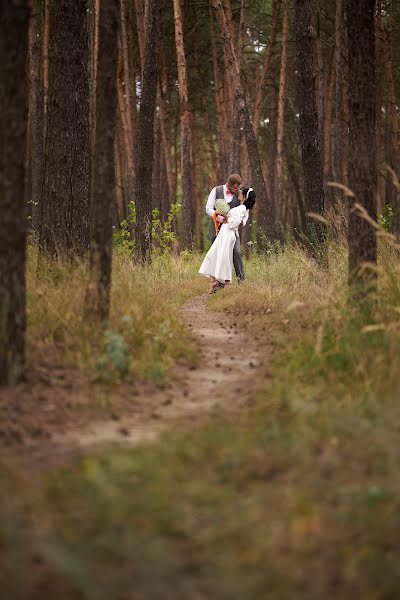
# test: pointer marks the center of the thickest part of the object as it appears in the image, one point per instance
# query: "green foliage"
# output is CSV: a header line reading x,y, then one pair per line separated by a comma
x,y
386,218
163,235
114,361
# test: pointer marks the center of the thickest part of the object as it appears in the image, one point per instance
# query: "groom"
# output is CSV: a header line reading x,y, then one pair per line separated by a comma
x,y
229,192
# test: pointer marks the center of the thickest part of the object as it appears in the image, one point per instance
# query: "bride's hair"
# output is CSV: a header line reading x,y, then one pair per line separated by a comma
x,y
250,197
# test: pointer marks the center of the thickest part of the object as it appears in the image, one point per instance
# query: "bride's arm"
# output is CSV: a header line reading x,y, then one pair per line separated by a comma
x,y
234,220
235,217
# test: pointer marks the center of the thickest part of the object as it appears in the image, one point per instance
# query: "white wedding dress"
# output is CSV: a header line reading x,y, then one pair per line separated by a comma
x,y
219,259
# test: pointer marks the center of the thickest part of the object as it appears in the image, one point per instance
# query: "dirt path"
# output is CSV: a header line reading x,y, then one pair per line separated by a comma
x,y
57,414
223,379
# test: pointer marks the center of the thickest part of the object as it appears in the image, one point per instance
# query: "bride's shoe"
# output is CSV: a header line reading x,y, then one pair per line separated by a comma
x,y
213,288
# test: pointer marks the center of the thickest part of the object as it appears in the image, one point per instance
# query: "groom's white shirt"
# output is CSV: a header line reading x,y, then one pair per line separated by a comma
x,y
227,197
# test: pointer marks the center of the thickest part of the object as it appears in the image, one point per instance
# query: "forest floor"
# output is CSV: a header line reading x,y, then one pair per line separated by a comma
x,y
242,445
54,417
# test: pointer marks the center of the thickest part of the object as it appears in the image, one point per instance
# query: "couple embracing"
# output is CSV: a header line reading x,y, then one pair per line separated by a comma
x,y
228,206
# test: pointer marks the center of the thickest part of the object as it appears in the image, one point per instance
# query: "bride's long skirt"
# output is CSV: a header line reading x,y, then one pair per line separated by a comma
x,y
219,259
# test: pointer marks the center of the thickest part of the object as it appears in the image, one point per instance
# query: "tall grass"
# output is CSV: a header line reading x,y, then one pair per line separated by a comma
x,y
296,499
144,335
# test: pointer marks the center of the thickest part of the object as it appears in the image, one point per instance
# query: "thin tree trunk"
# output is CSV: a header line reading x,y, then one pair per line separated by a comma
x,y
37,108
165,120
140,25
65,206
146,133
128,142
378,107
14,19
309,129
337,162
361,51
345,105
219,103
103,183
393,158
319,64
128,96
260,93
327,135
155,182
186,178
241,104
280,124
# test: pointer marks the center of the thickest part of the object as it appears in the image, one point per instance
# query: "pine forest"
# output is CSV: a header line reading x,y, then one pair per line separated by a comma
x,y
199,299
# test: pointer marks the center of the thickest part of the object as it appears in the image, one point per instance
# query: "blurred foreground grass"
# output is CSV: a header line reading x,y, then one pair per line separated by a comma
x,y
298,498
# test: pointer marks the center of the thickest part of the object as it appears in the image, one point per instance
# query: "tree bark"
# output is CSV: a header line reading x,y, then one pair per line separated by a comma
x,y
260,93
128,96
103,183
393,154
378,107
338,122
361,52
14,19
219,104
65,207
165,120
280,125
241,104
125,124
37,109
146,133
309,129
186,179
327,130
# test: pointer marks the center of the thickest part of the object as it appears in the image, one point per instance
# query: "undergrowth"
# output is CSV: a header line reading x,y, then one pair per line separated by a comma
x,y
296,499
144,336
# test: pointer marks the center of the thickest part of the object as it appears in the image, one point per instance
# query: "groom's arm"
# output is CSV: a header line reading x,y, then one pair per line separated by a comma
x,y
211,203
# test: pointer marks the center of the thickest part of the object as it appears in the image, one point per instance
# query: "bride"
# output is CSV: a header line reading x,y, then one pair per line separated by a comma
x,y
218,262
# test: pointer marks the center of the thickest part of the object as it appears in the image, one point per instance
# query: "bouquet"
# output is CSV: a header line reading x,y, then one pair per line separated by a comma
x,y
221,207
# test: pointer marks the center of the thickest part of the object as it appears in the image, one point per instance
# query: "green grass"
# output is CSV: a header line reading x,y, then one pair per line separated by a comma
x,y
144,336
296,498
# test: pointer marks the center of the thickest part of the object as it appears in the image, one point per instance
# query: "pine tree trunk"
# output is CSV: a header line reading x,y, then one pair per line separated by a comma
x,y
319,64
219,103
129,94
37,108
165,121
103,183
260,93
187,212
338,122
280,125
362,168
125,123
309,129
13,121
241,104
327,131
393,155
140,26
378,107
156,181
146,133
65,207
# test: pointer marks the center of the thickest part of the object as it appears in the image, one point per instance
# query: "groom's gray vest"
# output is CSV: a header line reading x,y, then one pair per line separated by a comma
x,y
237,257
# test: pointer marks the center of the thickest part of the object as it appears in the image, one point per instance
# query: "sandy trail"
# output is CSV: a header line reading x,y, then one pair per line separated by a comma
x,y
223,380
